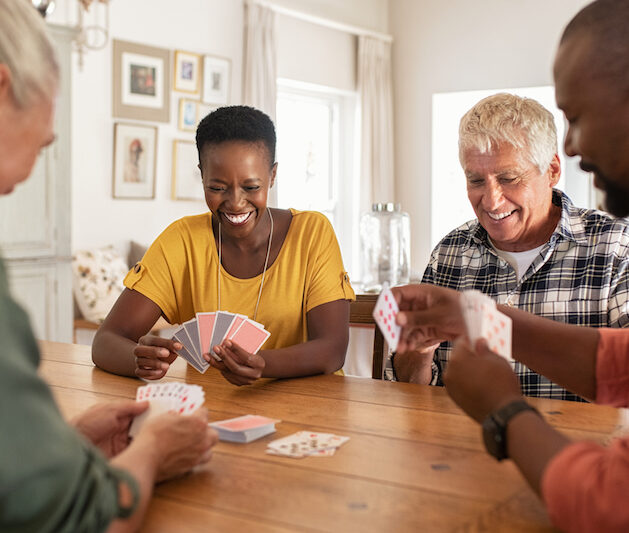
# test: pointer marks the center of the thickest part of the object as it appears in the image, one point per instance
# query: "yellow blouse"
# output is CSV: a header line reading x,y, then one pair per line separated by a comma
x,y
178,273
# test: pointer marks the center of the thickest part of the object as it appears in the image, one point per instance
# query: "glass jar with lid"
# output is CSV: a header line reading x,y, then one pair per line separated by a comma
x,y
385,246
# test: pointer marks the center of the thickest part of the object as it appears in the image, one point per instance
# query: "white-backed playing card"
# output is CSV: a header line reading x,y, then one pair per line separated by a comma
x,y
384,313
483,320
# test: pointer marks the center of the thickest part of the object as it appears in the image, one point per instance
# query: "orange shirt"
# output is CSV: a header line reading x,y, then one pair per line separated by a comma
x,y
586,486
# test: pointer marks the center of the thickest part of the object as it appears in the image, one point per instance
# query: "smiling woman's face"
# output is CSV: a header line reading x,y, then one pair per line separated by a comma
x,y
237,176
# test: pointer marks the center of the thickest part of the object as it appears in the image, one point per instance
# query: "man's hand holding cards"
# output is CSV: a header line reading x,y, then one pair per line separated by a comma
x,y
483,320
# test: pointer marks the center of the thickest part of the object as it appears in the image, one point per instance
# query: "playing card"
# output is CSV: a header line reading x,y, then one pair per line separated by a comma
x,y
205,325
192,330
249,336
222,323
182,337
483,320
384,313
305,444
238,319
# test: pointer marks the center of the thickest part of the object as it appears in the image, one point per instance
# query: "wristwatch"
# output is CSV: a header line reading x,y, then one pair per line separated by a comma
x,y
495,427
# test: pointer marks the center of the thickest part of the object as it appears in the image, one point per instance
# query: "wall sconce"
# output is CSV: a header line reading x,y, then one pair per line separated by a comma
x,y
93,26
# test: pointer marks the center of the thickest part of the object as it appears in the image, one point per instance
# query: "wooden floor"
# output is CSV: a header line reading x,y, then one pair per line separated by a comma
x,y
414,462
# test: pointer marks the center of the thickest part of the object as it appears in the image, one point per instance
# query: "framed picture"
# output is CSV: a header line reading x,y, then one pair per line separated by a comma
x,y
134,161
187,72
188,114
186,180
141,82
216,80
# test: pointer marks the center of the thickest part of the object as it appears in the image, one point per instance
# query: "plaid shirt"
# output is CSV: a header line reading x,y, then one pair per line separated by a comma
x,y
579,277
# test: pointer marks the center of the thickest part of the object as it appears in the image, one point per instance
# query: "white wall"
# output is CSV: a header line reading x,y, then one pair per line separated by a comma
x,y
205,26
454,46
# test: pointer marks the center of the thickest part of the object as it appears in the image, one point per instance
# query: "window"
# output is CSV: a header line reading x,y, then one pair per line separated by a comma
x,y
317,157
448,181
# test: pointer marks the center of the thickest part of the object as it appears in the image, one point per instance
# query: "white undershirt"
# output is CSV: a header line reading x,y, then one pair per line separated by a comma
x,y
520,261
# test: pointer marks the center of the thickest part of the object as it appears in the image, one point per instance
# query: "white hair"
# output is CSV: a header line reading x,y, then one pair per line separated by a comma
x,y
522,122
27,51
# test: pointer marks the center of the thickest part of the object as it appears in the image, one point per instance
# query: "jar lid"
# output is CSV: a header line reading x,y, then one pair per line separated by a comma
x,y
389,206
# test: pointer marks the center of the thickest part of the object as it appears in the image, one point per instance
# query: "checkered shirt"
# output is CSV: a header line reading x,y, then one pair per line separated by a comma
x,y
579,277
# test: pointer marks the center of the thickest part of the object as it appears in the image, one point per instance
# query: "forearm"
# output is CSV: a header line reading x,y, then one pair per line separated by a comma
x,y
563,353
141,463
414,366
114,353
532,443
317,356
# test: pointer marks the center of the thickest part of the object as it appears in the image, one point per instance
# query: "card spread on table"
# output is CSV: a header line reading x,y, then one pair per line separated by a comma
x,y
384,313
483,320
244,428
306,444
199,335
179,398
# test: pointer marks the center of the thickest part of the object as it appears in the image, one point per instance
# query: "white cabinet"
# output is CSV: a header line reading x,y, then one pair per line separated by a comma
x,y
35,222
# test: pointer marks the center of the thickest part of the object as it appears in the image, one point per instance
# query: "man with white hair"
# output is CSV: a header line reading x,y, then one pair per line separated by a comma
x,y
529,247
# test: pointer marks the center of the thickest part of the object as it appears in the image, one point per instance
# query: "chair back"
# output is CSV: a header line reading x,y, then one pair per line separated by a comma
x,y
360,313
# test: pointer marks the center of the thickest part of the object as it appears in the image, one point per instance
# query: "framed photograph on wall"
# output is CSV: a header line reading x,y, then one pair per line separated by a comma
x,y
186,179
135,150
216,80
141,82
187,72
188,114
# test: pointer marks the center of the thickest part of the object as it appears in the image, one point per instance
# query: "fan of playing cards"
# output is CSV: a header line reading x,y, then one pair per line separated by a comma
x,y
201,334
179,398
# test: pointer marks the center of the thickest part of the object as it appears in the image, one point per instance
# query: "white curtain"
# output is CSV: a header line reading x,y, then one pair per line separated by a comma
x,y
375,87
260,68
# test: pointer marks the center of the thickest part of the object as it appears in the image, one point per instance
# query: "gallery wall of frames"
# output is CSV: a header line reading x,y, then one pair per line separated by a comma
x,y
143,78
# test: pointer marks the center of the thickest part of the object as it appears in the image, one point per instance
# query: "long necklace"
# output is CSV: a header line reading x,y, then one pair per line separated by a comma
x,y
220,263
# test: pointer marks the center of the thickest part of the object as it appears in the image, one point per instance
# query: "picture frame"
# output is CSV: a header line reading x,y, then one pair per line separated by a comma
x,y
187,72
186,175
188,114
141,81
216,80
135,157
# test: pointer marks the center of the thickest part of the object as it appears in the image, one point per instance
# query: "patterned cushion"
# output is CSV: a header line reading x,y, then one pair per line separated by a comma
x,y
97,281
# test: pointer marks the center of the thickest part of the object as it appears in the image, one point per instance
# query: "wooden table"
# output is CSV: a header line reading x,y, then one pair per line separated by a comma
x,y
414,461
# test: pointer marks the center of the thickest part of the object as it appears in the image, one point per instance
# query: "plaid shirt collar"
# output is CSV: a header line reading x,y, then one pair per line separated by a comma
x,y
570,226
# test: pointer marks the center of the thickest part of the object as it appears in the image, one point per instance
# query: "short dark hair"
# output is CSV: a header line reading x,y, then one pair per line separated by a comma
x,y
237,123
605,22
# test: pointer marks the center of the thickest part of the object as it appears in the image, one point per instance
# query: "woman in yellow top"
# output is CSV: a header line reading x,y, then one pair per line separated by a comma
x,y
283,268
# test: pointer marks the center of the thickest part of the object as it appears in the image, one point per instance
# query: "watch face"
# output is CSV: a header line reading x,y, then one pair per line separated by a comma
x,y
493,436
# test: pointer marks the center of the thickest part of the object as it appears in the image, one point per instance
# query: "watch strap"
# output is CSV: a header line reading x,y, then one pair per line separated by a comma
x,y
495,427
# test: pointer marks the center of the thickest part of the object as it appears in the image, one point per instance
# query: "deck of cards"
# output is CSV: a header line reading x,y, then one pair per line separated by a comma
x,y
483,320
384,313
244,428
201,334
306,444
179,398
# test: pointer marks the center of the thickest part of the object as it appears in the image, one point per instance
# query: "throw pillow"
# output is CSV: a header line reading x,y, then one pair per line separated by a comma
x,y
97,277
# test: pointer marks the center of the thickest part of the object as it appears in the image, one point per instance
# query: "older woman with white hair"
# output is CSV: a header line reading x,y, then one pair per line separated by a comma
x,y
55,477
529,246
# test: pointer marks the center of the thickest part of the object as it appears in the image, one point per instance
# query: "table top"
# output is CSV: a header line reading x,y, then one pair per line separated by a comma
x,y
414,461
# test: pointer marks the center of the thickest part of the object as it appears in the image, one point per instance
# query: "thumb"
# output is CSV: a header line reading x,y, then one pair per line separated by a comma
x,y
132,408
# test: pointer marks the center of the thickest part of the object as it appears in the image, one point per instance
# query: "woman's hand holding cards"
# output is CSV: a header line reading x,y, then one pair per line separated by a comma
x,y
154,355
238,366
